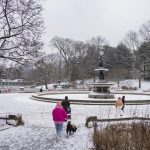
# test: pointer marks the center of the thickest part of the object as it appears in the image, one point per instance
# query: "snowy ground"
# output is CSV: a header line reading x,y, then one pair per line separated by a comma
x,y
38,133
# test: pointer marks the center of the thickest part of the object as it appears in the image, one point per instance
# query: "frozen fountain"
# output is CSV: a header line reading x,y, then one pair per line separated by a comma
x,y
100,94
101,89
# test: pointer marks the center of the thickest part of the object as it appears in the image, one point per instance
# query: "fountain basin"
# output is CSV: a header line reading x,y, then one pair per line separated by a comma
x,y
81,98
101,90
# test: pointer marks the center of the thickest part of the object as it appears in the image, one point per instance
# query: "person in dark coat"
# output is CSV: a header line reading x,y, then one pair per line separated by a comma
x,y
41,89
123,101
66,105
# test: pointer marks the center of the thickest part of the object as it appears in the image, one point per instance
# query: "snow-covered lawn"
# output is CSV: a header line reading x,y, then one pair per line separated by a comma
x,y
38,133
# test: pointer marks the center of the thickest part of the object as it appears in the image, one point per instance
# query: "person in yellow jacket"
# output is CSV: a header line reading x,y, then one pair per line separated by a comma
x,y
119,105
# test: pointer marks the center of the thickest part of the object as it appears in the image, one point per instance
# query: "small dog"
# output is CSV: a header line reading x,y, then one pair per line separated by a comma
x,y
70,129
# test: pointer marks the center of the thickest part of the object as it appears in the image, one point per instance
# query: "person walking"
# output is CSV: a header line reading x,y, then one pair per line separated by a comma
x,y
66,105
59,117
41,89
118,106
123,101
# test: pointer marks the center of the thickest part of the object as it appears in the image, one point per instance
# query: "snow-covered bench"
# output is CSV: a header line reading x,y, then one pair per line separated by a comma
x,y
12,119
15,120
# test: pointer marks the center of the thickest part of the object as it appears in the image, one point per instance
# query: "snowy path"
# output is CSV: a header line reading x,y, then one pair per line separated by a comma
x,y
38,133
41,138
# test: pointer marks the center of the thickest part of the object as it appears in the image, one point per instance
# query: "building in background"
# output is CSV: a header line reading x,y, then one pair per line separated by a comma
x,y
8,86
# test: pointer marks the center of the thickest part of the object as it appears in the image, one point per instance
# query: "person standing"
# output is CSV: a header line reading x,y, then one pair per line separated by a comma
x,y
119,106
66,105
59,117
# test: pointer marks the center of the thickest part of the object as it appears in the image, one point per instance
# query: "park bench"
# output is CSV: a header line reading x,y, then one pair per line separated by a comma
x,y
13,119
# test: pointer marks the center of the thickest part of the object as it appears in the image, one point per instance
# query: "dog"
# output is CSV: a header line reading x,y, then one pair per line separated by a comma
x,y
71,128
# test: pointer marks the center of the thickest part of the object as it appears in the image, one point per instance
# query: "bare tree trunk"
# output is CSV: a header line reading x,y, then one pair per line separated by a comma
x,y
45,82
118,83
140,82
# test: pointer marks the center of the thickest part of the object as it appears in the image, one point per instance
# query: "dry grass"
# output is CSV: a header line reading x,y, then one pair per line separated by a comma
x,y
123,136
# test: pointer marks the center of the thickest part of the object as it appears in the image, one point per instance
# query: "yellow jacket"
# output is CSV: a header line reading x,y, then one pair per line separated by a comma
x,y
118,103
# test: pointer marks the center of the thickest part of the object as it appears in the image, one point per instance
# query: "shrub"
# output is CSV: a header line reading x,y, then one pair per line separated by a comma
x,y
132,88
124,87
134,136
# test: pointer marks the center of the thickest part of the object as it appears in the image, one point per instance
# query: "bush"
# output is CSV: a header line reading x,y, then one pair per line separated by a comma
x,y
133,88
134,136
124,87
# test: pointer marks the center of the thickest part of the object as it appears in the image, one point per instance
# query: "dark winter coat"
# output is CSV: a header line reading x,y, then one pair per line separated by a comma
x,y
123,101
66,105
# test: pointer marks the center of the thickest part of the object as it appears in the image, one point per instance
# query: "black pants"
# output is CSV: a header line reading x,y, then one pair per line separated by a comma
x,y
123,107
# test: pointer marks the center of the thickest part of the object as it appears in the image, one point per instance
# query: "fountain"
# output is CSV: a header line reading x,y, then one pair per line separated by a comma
x,y
101,89
100,94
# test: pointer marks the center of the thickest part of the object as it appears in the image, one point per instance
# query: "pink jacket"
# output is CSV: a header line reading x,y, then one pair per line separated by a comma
x,y
59,114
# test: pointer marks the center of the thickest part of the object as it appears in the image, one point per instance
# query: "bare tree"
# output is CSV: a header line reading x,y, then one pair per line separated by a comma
x,y
145,32
46,70
14,72
98,42
21,26
82,62
67,49
2,70
132,40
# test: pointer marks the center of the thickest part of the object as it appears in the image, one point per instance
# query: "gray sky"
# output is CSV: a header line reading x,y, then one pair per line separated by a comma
x,y
84,19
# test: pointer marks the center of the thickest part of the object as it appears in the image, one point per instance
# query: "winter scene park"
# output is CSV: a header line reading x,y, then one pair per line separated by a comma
x,y
74,75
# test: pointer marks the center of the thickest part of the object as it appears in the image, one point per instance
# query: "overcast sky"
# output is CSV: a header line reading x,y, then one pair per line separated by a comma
x,y
84,19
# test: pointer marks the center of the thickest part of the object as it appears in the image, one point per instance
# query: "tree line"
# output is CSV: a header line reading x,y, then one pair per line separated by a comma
x,y
76,60
21,27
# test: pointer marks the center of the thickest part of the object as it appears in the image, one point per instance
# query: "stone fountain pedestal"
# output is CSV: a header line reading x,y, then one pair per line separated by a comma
x,y
101,89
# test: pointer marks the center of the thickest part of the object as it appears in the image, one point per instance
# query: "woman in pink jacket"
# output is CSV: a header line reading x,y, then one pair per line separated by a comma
x,y
59,116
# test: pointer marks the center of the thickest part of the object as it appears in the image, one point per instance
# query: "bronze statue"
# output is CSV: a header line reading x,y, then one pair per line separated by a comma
x,y
101,62
101,73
